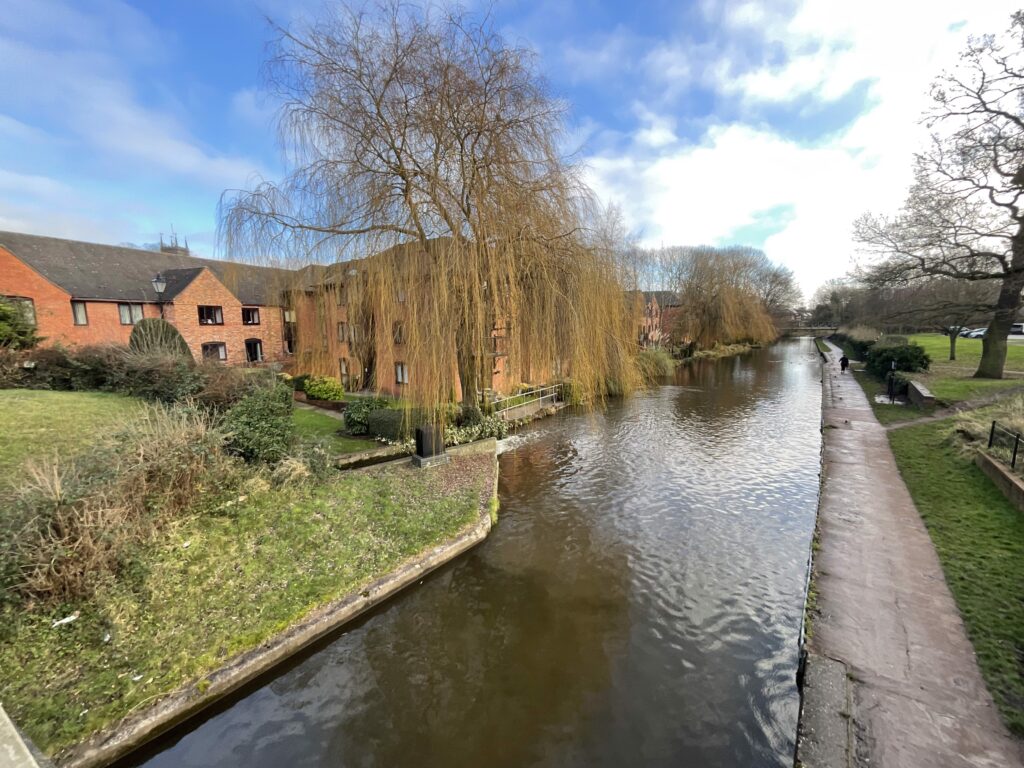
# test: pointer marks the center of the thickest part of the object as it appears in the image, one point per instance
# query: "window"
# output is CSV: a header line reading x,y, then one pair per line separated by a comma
x,y
27,307
215,350
401,373
342,331
342,295
343,371
289,331
253,351
130,313
401,297
250,316
211,316
78,312
398,333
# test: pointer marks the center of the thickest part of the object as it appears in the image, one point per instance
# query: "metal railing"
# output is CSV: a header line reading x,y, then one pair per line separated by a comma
x,y
550,394
1005,444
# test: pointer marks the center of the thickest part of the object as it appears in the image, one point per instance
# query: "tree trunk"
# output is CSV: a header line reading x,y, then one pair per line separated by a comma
x,y
953,336
993,344
465,360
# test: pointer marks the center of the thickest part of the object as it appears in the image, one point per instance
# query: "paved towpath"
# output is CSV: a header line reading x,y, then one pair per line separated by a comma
x,y
917,695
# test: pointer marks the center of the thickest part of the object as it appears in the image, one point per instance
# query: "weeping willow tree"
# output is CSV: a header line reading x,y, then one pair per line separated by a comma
x,y
427,184
727,295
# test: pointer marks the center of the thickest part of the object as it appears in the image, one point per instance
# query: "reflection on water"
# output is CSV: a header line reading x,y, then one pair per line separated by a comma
x,y
638,603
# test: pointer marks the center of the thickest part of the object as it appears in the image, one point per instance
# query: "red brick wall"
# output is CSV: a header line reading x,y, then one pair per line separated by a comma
x,y
207,290
53,308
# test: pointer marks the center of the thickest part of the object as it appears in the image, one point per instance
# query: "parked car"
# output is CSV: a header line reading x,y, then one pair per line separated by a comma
x,y
977,333
1017,329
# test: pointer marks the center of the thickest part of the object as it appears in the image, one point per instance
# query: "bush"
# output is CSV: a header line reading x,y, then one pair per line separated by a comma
x,y
388,424
99,367
908,357
488,426
76,522
50,368
655,364
469,416
223,385
156,335
299,382
16,329
12,375
324,388
259,427
357,413
857,339
161,377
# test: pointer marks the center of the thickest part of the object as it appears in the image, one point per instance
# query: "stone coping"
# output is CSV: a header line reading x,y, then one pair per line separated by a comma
x,y
139,728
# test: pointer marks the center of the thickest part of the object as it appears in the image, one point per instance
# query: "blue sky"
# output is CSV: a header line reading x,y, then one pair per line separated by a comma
x,y
771,124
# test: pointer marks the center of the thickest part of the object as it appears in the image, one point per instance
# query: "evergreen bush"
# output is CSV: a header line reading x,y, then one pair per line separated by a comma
x,y
324,388
908,357
156,335
259,427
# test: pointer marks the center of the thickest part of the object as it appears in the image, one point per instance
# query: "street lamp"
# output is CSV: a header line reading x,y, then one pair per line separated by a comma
x,y
159,286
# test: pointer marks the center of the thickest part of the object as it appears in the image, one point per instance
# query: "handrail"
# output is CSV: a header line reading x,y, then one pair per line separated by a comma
x,y
540,394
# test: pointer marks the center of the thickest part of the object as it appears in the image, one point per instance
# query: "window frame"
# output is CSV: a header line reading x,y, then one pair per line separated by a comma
x,y
218,312
401,373
342,331
259,346
131,306
219,358
256,310
75,305
398,332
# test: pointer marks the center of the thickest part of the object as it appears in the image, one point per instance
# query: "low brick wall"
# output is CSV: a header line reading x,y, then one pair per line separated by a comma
x,y
1011,486
919,395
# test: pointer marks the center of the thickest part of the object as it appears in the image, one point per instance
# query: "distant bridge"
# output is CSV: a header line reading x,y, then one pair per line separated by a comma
x,y
808,330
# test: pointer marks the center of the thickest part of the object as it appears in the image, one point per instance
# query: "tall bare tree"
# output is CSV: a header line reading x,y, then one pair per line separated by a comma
x,y
962,218
420,133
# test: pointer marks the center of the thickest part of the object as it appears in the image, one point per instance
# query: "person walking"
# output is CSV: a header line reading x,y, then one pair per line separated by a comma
x,y
844,363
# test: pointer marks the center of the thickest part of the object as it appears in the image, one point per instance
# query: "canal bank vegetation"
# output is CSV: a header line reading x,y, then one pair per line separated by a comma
x,y
146,551
979,537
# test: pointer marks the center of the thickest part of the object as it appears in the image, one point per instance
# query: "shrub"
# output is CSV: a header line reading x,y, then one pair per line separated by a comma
x,y
76,522
223,385
858,339
156,335
488,426
299,382
50,368
161,377
324,388
357,413
469,416
11,373
388,424
655,364
908,357
259,427
17,331
101,366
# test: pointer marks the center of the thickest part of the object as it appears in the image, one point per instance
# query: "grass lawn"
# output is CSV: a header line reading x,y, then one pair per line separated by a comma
x,y
62,422
313,424
952,380
979,537
214,585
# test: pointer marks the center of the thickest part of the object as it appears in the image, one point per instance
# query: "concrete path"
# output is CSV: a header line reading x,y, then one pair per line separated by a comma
x,y
917,695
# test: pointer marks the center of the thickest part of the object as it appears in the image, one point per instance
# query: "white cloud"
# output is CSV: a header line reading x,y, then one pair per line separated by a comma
x,y
712,188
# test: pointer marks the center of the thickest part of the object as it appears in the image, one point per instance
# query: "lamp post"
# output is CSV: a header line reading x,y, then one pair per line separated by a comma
x,y
159,286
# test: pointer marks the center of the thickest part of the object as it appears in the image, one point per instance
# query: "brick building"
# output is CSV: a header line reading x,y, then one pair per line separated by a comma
x,y
659,319
86,293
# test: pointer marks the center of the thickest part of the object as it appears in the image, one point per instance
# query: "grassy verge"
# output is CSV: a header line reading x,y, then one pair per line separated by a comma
x,y
822,346
38,421
885,412
219,584
979,537
312,425
953,381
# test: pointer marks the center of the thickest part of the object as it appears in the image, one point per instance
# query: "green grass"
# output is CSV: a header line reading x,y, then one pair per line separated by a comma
x,y
885,412
822,346
211,586
979,537
315,425
37,422
953,381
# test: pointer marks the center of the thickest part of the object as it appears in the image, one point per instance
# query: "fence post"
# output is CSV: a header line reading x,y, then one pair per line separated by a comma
x,y
992,435
1016,443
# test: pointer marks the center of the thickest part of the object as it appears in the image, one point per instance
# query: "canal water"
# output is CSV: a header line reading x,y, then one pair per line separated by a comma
x,y
639,602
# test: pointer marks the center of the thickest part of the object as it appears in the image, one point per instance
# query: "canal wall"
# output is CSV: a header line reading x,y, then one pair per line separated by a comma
x,y
890,676
175,708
